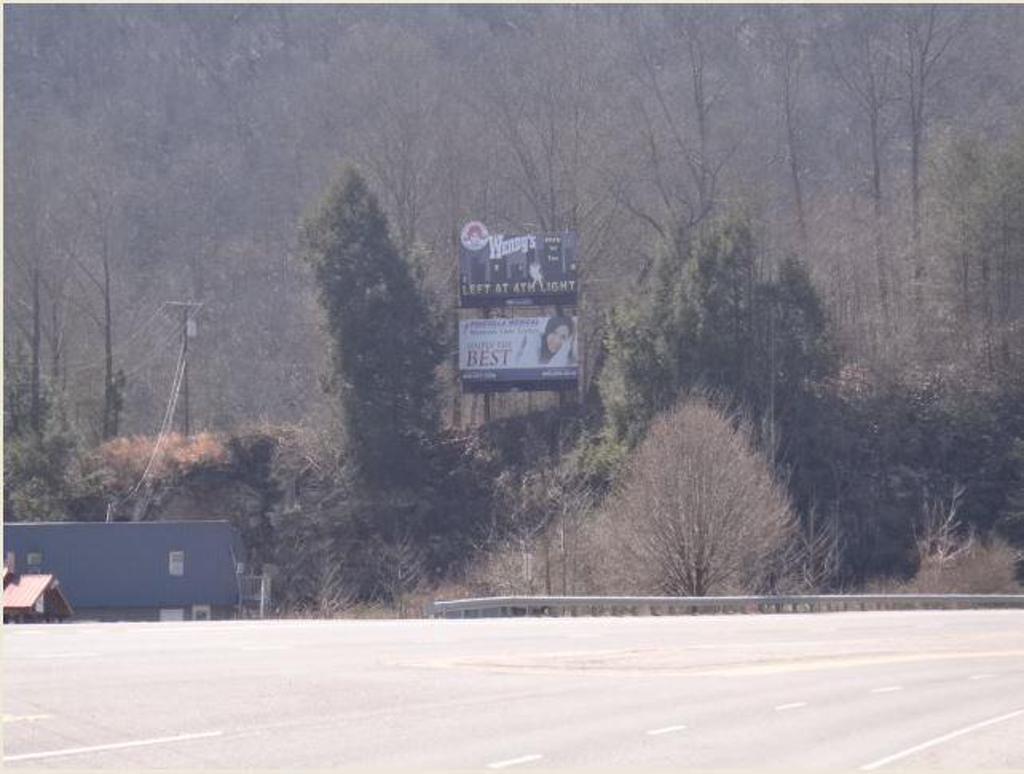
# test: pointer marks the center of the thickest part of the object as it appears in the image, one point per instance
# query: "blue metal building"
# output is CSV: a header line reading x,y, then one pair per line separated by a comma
x,y
130,571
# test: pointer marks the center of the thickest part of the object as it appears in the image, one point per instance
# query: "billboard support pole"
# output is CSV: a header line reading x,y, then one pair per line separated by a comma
x,y
487,395
561,392
457,400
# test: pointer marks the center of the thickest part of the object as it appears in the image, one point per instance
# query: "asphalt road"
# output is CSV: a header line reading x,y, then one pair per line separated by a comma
x,y
863,691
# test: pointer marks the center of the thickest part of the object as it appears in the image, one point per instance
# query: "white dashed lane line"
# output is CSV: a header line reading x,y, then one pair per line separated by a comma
x,y
105,747
939,740
25,718
61,655
514,762
794,705
981,677
265,647
887,689
666,730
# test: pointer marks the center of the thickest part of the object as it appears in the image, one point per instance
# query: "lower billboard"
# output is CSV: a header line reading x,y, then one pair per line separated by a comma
x,y
518,353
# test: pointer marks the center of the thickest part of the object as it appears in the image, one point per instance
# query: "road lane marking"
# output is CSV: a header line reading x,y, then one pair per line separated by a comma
x,y
595,666
845,662
980,677
794,705
514,762
265,647
887,689
62,655
939,740
25,718
105,747
666,730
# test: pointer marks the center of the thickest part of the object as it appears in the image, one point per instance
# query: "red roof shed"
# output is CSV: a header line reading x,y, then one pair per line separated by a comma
x,y
33,597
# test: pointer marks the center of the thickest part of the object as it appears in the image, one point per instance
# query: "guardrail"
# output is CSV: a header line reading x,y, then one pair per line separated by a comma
x,y
493,607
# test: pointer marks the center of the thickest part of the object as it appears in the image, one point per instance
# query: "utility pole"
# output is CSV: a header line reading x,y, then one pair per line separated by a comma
x,y
184,370
188,330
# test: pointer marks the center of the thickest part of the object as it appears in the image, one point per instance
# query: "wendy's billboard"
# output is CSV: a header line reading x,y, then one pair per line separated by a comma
x,y
519,270
526,353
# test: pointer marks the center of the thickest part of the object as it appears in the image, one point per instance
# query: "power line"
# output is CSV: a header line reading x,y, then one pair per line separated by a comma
x,y
161,436
166,338
165,426
120,349
180,376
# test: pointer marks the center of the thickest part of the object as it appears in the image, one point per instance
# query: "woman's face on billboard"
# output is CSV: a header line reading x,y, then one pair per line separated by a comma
x,y
557,338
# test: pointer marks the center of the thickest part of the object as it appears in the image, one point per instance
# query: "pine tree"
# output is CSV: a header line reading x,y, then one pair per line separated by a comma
x,y
39,462
385,342
708,319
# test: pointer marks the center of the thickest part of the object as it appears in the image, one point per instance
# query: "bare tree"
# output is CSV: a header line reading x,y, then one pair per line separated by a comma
x,y
573,503
99,209
37,257
400,569
787,48
699,511
928,34
952,559
546,545
939,533
682,163
862,61
397,81
331,595
819,551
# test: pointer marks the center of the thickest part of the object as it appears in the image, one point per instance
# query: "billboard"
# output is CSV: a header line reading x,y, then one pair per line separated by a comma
x,y
518,353
518,270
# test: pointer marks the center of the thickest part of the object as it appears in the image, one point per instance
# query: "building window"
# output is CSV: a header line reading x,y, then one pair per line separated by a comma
x,y
34,559
176,563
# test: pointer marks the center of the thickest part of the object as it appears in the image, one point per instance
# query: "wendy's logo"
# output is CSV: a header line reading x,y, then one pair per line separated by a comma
x,y
474,235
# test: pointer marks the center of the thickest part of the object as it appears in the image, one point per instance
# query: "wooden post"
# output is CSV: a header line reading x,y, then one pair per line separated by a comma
x,y
487,395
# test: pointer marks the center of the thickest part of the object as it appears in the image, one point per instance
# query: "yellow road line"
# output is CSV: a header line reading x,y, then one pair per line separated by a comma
x,y
601,665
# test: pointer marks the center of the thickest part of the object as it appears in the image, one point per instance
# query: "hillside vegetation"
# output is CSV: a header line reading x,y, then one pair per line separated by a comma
x,y
802,310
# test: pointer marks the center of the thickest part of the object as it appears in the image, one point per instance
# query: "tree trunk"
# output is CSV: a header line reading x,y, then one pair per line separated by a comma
x,y
789,84
36,409
881,259
110,398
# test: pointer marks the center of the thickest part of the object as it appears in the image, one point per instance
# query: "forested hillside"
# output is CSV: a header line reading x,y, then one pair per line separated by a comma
x,y
801,242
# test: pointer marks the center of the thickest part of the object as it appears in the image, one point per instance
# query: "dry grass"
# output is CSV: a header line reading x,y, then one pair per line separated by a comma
x,y
123,460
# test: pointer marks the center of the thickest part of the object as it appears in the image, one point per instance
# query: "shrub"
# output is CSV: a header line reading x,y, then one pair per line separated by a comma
x,y
699,511
977,568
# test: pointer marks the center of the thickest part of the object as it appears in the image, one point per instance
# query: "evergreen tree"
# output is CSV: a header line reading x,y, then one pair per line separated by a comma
x,y
710,320
1011,523
724,295
793,349
38,462
385,342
